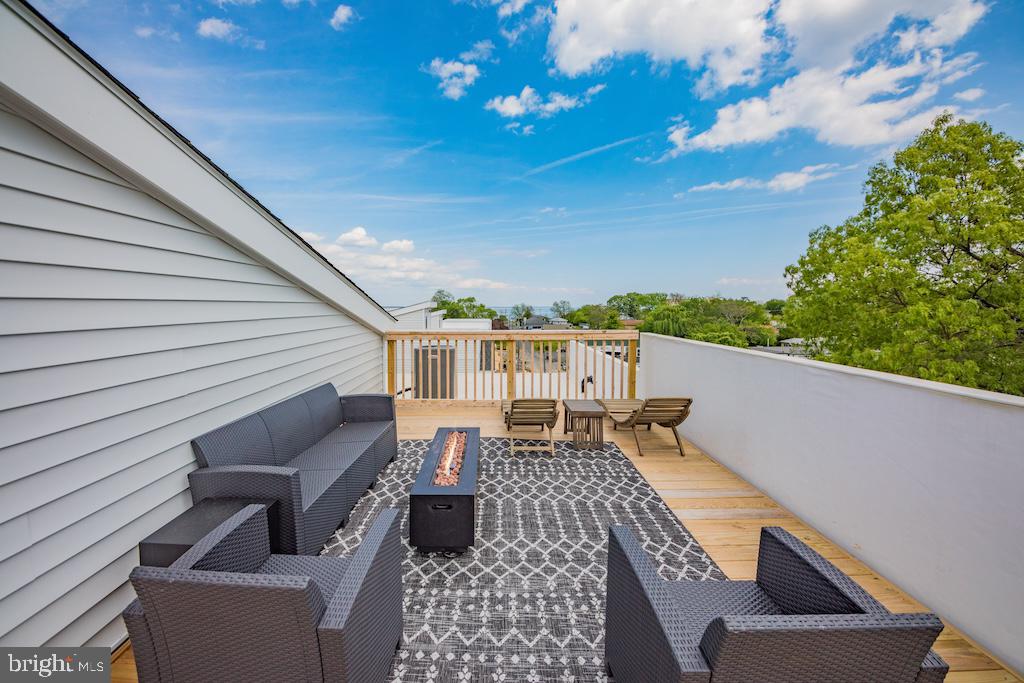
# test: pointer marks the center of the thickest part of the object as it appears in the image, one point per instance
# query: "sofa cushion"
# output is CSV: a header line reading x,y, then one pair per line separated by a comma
x,y
242,442
290,427
358,431
329,456
324,409
326,571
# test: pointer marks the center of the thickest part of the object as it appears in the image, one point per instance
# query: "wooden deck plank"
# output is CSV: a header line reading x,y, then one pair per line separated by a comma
x,y
723,512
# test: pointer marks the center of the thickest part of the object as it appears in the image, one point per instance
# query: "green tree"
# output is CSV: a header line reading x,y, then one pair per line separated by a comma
x,y
635,304
594,316
562,309
466,307
928,279
521,312
775,306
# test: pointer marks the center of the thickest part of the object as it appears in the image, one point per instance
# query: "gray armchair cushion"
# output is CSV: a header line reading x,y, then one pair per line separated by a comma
x,y
242,442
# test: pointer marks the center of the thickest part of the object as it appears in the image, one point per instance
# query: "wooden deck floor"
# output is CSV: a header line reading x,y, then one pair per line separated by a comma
x,y
722,511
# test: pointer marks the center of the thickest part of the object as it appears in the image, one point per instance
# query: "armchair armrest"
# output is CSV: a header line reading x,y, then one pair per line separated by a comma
x,y
801,581
143,648
363,622
368,408
257,481
641,622
836,647
241,543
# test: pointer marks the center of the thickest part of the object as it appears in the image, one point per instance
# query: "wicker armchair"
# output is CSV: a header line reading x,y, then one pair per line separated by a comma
x,y
801,621
228,610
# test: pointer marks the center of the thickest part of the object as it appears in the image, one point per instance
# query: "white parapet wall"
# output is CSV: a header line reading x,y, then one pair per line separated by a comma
x,y
922,481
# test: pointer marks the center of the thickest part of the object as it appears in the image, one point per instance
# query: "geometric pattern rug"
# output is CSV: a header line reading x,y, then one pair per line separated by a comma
x,y
526,603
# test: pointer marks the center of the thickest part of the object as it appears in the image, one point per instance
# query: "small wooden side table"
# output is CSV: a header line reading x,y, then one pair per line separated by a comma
x,y
586,420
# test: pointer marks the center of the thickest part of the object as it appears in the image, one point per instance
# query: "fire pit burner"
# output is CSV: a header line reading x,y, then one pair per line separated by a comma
x,y
449,464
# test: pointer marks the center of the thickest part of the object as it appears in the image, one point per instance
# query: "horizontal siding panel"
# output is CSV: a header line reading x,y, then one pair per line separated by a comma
x,y
34,281
63,508
52,383
48,213
42,456
93,551
19,136
32,246
37,420
45,179
28,316
80,604
84,629
126,330
28,352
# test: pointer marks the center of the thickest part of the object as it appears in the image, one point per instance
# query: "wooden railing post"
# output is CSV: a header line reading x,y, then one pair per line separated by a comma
x,y
632,368
511,373
392,384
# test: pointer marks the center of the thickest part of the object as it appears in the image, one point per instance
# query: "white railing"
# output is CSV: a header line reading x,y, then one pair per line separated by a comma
x,y
496,365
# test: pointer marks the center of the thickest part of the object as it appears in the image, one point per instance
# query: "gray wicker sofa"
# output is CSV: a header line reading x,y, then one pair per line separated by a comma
x,y
228,610
315,454
801,621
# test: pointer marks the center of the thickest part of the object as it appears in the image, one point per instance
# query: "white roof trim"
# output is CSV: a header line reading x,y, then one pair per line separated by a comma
x,y
51,82
400,310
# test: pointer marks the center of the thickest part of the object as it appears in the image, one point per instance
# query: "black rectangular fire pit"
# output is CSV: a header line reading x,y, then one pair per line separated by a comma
x,y
442,503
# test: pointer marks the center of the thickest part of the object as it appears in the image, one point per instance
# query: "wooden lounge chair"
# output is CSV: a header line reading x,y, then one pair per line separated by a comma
x,y
533,412
666,412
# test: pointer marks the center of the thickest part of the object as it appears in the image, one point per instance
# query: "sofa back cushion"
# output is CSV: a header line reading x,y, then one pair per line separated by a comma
x,y
242,442
290,427
324,409
226,626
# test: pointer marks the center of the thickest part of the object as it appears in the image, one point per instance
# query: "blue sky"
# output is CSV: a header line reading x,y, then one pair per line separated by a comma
x,y
519,150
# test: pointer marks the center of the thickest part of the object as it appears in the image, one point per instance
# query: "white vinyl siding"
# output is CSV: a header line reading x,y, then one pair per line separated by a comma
x,y
125,331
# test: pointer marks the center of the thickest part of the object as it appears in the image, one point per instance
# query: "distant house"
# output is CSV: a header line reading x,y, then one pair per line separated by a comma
x,y
631,323
556,324
534,322
421,316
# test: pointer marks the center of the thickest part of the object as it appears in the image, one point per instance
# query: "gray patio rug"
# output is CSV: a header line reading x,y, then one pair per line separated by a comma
x,y
527,602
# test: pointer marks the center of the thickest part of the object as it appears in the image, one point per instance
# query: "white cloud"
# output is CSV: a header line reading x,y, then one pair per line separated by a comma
x,y
509,7
530,102
879,105
944,28
394,264
454,76
517,128
727,39
229,32
224,3
221,29
357,237
787,181
970,95
400,246
146,32
828,34
480,52
343,14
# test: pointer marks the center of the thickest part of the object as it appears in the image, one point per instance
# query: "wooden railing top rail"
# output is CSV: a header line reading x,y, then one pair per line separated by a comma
x,y
525,335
